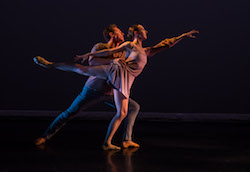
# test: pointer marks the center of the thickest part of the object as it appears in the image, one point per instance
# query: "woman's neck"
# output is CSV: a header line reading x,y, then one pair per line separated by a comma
x,y
137,41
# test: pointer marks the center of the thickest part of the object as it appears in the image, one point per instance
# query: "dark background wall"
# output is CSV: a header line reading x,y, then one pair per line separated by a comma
x,y
208,74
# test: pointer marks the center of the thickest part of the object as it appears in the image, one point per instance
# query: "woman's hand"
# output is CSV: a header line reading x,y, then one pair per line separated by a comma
x,y
190,34
83,57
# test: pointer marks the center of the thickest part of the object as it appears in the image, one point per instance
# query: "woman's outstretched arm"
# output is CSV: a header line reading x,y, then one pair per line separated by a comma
x,y
168,43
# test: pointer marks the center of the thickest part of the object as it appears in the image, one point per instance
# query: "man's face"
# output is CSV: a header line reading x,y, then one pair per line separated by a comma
x,y
118,35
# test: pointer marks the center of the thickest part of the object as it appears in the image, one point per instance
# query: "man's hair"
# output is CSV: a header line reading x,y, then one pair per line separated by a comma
x,y
107,30
131,31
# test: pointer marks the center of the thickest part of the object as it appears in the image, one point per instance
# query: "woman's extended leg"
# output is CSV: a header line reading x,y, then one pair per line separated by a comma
x,y
121,104
97,71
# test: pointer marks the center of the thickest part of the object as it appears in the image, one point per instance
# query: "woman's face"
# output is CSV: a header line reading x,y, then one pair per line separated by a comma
x,y
142,32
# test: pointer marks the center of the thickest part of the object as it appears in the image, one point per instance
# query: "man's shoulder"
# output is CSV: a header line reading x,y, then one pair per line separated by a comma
x,y
99,46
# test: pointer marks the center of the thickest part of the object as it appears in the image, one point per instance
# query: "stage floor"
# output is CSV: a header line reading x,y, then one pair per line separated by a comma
x,y
165,147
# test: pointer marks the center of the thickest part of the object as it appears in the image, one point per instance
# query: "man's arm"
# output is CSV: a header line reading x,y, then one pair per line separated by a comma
x,y
93,61
168,43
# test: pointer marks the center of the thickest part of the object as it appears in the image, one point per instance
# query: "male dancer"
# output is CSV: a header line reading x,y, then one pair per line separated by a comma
x,y
96,90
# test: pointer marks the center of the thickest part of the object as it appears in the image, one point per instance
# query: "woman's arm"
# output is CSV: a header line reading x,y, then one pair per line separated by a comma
x,y
106,52
93,61
168,43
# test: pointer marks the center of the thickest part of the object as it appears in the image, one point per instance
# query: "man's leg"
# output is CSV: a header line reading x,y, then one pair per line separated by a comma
x,y
85,99
133,110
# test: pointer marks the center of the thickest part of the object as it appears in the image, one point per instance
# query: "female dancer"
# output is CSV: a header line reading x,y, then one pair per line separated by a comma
x,y
120,73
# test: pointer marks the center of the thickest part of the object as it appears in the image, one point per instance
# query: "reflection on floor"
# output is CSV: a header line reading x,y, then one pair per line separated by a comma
x,y
165,147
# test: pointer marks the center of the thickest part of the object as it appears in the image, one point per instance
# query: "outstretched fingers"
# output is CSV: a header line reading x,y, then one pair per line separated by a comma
x,y
78,57
83,58
190,34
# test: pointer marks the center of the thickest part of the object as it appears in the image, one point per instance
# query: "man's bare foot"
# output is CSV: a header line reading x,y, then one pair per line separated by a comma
x,y
110,147
42,62
40,141
129,143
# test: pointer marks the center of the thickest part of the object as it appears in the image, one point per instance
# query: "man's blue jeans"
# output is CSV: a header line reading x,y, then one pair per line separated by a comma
x,y
89,97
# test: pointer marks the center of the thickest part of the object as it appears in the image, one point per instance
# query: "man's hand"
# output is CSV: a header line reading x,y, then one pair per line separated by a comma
x,y
83,57
190,34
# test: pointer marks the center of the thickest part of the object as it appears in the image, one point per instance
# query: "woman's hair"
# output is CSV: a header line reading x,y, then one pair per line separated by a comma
x,y
107,30
131,31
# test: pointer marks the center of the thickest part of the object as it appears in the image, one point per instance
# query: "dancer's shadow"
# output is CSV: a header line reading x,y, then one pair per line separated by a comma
x,y
117,164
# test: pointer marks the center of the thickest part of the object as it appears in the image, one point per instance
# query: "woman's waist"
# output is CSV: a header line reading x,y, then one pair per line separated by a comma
x,y
132,67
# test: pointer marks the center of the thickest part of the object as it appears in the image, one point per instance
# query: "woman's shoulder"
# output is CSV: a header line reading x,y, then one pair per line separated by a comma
x,y
128,44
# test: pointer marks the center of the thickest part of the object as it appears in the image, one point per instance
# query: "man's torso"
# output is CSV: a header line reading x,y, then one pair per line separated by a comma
x,y
95,83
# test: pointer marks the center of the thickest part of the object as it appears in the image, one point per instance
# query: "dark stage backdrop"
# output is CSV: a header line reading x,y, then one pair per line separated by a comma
x,y
208,74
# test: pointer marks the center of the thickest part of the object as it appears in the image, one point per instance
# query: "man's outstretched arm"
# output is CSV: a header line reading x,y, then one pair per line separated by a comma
x,y
168,43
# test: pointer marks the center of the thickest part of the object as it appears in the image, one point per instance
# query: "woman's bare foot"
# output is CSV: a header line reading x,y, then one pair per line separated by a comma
x,y
40,141
42,62
129,143
110,147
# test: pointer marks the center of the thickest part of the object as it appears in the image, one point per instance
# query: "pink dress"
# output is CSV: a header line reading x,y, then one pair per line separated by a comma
x,y
122,72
